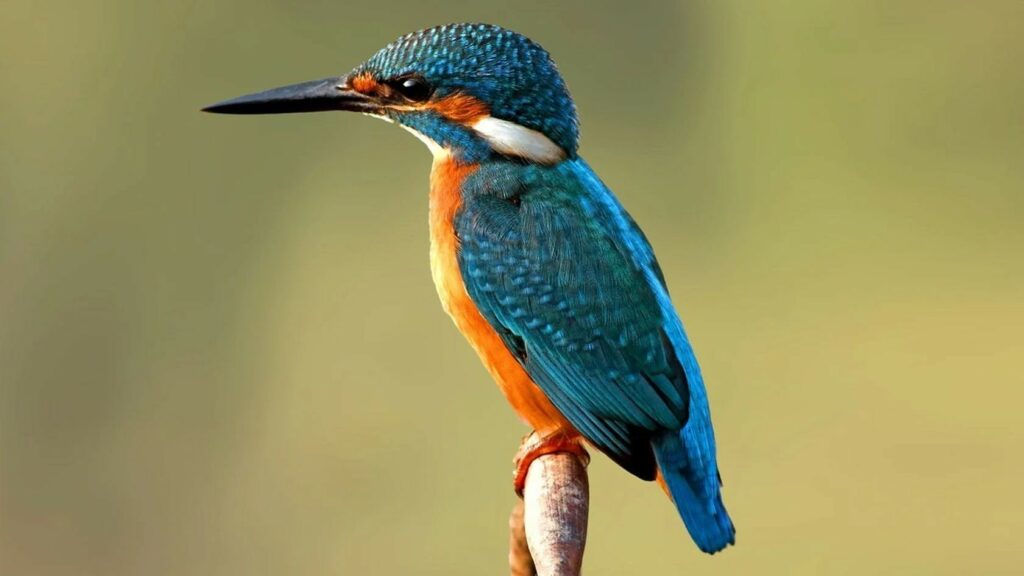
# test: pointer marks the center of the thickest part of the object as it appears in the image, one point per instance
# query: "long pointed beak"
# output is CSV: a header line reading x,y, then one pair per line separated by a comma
x,y
315,96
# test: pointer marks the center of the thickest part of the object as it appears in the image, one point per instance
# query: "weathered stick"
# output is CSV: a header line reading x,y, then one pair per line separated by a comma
x,y
549,525
519,560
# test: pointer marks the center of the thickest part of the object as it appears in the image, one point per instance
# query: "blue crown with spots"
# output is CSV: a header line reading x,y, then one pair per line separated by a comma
x,y
510,73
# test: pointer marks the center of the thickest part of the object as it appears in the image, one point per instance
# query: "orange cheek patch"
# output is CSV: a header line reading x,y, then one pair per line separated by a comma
x,y
461,108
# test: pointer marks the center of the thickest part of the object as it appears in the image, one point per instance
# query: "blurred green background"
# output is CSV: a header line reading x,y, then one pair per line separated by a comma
x,y
221,351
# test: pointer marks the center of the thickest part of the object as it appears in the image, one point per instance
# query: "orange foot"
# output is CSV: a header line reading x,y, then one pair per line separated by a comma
x,y
535,446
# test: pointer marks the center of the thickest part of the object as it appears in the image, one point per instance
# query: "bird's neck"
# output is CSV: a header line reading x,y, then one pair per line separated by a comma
x,y
447,175
447,139
481,138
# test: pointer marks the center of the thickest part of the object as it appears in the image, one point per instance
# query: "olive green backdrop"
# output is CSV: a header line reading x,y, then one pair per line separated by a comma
x,y
221,351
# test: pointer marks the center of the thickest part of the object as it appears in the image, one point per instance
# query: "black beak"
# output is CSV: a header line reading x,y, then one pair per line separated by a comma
x,y
315,96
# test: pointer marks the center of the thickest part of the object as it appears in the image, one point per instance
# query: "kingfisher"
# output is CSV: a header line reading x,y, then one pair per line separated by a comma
x,y
536,261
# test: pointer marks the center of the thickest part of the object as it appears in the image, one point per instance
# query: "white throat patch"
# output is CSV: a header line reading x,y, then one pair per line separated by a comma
x,y
435,149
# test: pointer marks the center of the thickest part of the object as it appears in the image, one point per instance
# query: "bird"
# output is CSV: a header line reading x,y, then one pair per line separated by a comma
x,y
541,268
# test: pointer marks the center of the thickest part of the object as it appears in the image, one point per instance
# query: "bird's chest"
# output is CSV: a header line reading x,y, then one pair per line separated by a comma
x,y
446,180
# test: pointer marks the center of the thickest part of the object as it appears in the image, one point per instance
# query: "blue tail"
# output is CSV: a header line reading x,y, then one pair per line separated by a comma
x,y
691,476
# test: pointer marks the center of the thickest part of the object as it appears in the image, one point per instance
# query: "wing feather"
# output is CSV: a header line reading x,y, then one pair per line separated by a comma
x,y
567,297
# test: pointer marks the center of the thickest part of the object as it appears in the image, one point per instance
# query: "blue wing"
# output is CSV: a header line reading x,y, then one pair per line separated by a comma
x,y
569,282
567,279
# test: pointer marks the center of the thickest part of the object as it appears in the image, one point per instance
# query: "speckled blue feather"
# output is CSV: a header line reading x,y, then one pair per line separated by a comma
x,y
546,253
512,74
562,273
567,279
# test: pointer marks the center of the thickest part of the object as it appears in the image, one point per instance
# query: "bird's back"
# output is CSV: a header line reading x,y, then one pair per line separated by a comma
x,y
571,286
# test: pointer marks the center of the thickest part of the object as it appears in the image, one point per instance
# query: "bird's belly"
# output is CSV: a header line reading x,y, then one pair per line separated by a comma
x,y
522,393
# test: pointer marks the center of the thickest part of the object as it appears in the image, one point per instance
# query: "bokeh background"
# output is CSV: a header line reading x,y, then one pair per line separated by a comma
x,y
221,351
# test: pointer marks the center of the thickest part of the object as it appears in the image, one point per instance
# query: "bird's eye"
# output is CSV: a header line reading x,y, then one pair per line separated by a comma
x,y
413,88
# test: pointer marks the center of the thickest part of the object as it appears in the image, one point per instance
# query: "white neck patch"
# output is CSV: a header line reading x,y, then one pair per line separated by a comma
x,y
505,137
513,139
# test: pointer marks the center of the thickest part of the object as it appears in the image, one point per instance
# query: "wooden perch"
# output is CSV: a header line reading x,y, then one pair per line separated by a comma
x,y
548,526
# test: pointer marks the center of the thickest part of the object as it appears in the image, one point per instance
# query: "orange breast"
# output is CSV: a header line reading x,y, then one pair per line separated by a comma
x,y
525,397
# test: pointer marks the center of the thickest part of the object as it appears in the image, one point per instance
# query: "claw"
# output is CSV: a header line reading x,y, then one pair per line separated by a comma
x,y
534,446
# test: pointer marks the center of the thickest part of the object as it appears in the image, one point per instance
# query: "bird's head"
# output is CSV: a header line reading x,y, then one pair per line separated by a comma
x,y
469,90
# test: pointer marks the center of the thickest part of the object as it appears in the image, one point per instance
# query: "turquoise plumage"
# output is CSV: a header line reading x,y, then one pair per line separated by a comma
x,y
539,265
571,284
